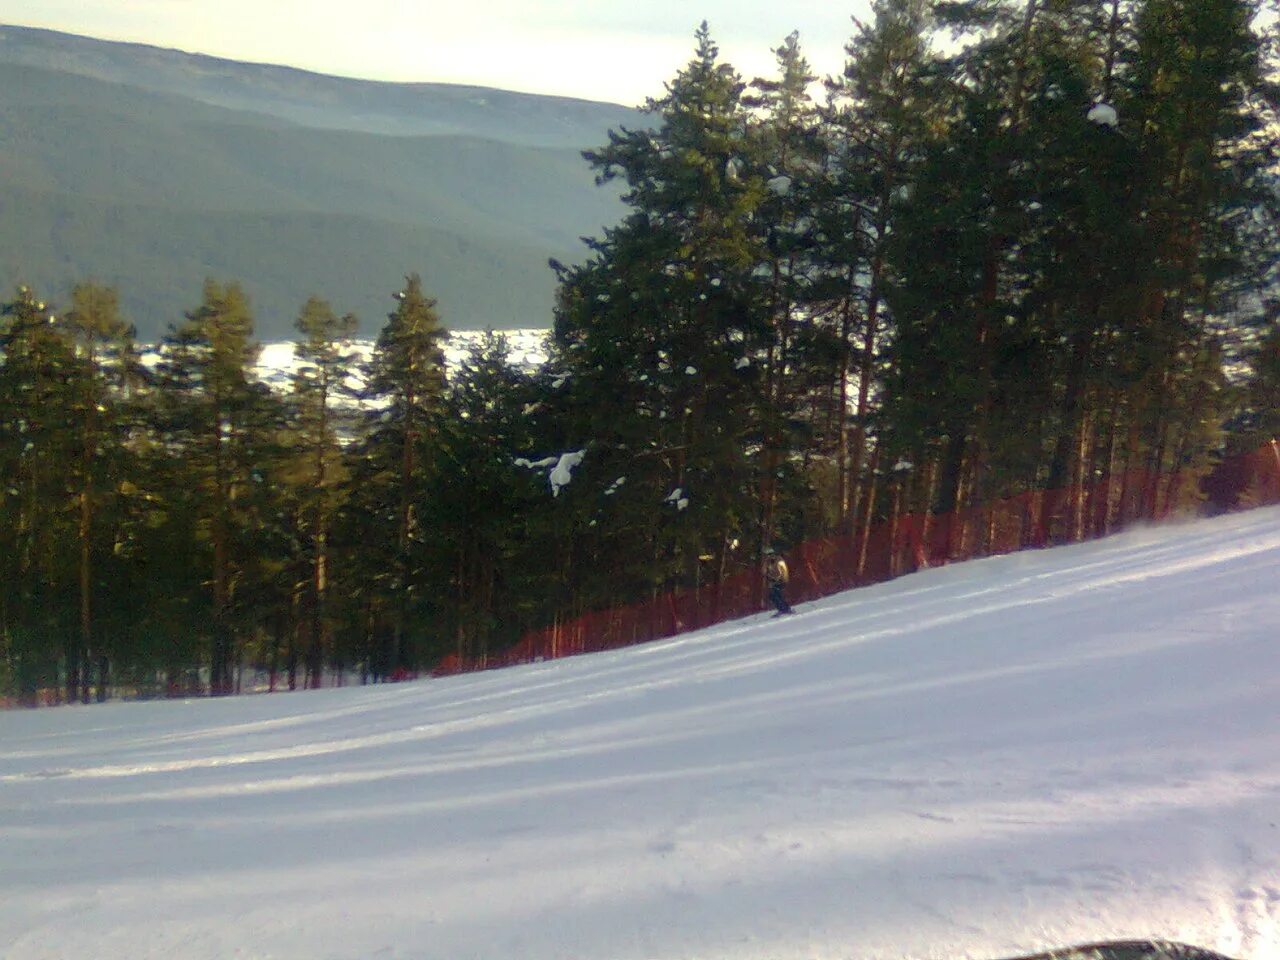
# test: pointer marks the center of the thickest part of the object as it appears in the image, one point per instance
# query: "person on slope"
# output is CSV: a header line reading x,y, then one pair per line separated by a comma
x,y
776,576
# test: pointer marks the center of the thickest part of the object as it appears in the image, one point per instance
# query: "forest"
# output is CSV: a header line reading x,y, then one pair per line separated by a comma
x,y
1013,246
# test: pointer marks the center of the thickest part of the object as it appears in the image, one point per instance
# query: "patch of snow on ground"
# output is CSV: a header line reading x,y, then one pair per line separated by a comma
x,y
997,757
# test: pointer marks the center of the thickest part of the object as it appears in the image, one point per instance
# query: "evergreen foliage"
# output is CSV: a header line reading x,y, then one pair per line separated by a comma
x,y
1043,257
406,384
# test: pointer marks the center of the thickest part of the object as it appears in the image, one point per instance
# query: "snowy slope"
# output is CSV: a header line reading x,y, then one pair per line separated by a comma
x,y
1047,748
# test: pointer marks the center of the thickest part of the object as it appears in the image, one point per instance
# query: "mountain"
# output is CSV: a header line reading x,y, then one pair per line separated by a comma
x,y
151,169
982,760
316,100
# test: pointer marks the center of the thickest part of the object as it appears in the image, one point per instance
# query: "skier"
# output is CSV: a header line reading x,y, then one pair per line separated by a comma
x,y
775,575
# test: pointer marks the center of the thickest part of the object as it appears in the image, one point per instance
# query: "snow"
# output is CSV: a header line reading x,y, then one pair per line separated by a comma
x,y
562,472
1103,114
545,463
559,467
779,185
991,758
527,351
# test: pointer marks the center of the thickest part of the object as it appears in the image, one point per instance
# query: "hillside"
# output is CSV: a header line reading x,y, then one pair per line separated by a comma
x,y
316,100
149,170
976,761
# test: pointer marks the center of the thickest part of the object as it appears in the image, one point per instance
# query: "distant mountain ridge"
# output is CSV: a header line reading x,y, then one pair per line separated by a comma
x,y
320,100
151,169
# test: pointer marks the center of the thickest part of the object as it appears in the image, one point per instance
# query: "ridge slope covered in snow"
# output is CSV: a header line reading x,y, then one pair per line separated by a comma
x,y
988,759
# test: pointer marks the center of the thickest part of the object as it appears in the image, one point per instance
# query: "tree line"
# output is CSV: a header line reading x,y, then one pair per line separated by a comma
x,y
1011,246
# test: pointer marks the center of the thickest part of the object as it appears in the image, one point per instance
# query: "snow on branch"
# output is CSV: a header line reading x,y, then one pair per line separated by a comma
x,y
560,468
1103,114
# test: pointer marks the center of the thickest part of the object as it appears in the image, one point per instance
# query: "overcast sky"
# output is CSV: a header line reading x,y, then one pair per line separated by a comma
x,y
619,50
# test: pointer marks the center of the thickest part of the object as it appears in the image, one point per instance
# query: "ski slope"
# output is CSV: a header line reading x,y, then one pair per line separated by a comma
x,y
988,759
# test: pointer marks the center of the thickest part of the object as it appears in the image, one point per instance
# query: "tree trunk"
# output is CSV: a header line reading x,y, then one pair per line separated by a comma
x,y
86,581
844,472
866,368
866,512
1103,512
1067,445
104,676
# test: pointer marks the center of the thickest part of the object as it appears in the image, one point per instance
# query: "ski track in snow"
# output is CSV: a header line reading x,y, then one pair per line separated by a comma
x,y
992,758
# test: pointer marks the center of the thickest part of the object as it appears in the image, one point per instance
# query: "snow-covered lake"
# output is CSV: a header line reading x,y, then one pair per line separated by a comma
x,y
988,759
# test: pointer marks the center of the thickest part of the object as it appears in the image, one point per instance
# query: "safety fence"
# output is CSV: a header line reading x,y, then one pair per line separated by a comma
x,y
819,568
905,544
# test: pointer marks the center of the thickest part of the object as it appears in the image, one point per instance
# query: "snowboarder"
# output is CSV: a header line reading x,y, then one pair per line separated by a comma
x,y
776,576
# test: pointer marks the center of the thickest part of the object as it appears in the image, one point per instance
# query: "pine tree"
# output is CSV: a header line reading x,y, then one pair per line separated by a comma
x,y
875,125
211,410
1257,420
109,366
37,442
799,410
406,386
321,387
1195,79
1092,226
661,333
487,553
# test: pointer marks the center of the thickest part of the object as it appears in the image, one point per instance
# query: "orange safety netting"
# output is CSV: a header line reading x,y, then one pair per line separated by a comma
x,y
905,544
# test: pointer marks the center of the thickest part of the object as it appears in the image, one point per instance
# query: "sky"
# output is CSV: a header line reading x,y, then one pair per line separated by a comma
x,y
982,760
614,50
